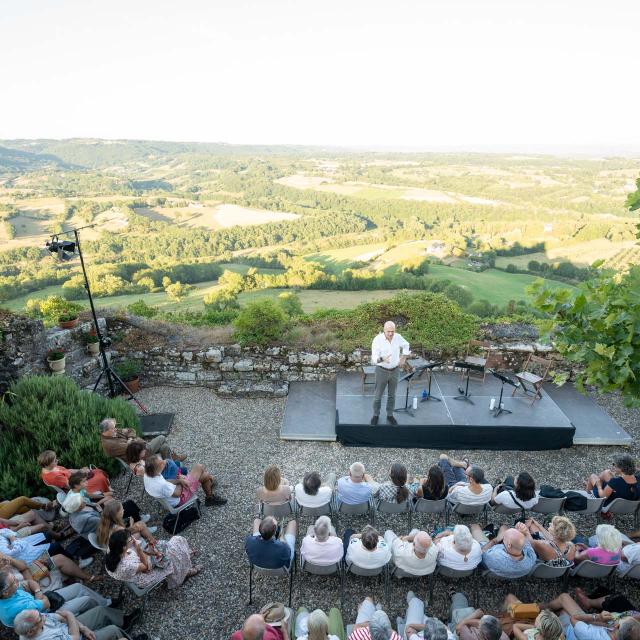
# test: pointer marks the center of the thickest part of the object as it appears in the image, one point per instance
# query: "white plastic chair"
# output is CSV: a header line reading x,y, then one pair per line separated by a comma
x,y
93,539
547,507
622,507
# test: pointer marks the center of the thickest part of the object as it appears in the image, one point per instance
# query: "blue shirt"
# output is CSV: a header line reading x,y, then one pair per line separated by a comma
x,y
12,606
170,471
501,563
268,554
351,492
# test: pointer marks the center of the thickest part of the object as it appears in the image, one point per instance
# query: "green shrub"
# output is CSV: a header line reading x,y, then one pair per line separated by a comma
x,y
459,294
52,308
290,304
142,309
128,369
260,322
52,412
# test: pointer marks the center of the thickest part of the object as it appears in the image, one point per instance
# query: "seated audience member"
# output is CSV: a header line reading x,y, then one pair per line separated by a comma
x,y
182,489
372,623
321,546
22,505
255,628
367,549
602,600
28,523
99,623
265,549
608,547
136,456
417,625
13,599
416,554
629,555
522,495
433,487
473,624
115,441
126,561
276,489
457,549
589,626
546,626
552,545
474,491
395,489
113,519
452,469
618,482
83,517
58,476
312,492
509,554
357,487
317,626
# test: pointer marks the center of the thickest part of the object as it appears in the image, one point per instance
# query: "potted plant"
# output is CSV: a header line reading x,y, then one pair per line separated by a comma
x,y
129,371
56,360
93,344
68,320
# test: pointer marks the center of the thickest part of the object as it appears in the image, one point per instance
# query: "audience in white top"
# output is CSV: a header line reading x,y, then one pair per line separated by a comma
x,y
321,545
416,554
518,495
457,549
474,491
367,549
312,492
357,487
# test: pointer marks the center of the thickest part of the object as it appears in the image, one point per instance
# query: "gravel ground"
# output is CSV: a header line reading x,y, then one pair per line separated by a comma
x,y
236,439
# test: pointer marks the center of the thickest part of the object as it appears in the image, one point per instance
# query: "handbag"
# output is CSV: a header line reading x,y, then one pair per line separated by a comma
x,y
41,568
523,612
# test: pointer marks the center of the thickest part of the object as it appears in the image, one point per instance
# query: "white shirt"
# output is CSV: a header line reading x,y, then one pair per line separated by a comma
x,y
158,487
462,494
585,631
449,556
366,559
505,498
322,553
405,558
381,347
630,556
305,500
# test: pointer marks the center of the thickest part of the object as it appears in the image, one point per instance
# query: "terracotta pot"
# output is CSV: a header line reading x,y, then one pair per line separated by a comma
x,y
93,348
57,366
69,324
132,385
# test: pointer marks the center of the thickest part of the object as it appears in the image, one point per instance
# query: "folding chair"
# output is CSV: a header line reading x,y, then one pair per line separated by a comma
x,y
367,371
383,506
276,573
593,570
127,470
509,511
313,512
488,576
94,543
533,376
325,570
470,510
447,574
179,509
593,508
382,571
435,507
360,509
477,355
632,572
283,510
547,507
140,592
547,573
622,507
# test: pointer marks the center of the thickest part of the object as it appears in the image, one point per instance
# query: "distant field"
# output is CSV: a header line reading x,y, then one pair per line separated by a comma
x,y
336,260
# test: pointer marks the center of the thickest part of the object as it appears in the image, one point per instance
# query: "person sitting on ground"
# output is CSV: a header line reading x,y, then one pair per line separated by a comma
x,y
618,482
607,546
58,476
136,456
255,628
22,505
416,625
473,624
603,600
592,626
372,623
321,546
509,554
127,561
115,442
26,524
314,493
13,599
113,519
522,495
553,546
546,626
98,623
83,517
416,554
432,487
367,549
276,489
317,626
395,490
474,491
357,487
179,491
265,548
457,549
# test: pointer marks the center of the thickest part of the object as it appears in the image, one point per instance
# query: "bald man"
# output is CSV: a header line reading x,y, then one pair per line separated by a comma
x,y
388,352
416,554
509,554
255,628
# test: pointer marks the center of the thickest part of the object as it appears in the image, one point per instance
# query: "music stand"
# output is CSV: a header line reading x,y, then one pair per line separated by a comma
x,y
497,410
464,393
417,372
431,366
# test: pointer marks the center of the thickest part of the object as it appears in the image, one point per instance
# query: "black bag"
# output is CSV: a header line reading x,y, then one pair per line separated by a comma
x,y
55,600
575,501
547,491
80,548
184,518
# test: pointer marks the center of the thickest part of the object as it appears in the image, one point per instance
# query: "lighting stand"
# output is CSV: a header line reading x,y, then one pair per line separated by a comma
x,y
430,367
464,393
497,410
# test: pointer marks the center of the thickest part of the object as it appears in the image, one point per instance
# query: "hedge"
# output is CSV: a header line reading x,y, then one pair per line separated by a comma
x,y
52,412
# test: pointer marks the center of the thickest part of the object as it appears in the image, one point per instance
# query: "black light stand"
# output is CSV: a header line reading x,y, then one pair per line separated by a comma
x,y
56,246
498,409
430,367
408,377
468,366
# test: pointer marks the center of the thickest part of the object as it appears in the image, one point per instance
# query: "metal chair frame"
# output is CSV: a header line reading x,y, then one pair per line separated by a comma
x,y
177,510
470,510
382,506
325,570
281,571
382,571
127,469
435,507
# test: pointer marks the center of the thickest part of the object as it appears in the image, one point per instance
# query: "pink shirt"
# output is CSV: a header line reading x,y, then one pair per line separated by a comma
x,y
602,556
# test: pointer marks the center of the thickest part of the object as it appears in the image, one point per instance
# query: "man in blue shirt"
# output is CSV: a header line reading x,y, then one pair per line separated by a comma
x,y
14,600
263,547
357,487
509,556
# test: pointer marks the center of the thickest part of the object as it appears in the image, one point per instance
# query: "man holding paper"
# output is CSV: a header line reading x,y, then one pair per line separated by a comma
x,y
389,351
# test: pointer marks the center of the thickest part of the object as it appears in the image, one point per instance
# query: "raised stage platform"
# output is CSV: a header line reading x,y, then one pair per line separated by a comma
x,y
340,410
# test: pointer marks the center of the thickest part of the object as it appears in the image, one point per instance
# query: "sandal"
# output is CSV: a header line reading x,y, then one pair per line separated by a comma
x,y
195,571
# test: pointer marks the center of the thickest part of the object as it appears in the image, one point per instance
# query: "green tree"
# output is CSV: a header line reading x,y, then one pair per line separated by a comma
x,y
178,290
221,300
260,322
459,294
290,304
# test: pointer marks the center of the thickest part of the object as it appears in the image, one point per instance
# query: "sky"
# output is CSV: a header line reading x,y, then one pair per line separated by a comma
x,y
392,73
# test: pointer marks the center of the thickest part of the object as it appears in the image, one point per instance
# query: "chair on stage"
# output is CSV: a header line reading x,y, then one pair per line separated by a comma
x,y
477,355
533,376
367,375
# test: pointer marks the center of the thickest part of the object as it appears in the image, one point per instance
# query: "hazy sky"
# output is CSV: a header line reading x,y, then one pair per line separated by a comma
x,y
331,72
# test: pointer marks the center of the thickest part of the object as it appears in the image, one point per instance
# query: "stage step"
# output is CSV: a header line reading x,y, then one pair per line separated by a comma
x,y
310,412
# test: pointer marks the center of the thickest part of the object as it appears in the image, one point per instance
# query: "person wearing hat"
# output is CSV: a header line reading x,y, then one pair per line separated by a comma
x,y
266,625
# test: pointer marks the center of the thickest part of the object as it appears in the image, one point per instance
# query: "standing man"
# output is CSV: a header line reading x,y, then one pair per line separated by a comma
x,y
389,351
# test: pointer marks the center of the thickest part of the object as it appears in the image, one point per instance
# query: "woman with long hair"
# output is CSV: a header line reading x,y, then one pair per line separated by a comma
x,y
520,494
112,519
317,625
433,486
275,489
395,489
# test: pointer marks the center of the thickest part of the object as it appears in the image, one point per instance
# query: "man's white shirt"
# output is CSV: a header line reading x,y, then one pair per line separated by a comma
x,y
381,348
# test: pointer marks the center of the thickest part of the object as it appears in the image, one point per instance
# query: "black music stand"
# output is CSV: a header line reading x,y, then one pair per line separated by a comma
x,y
464,393
418,372
431,366
497,410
